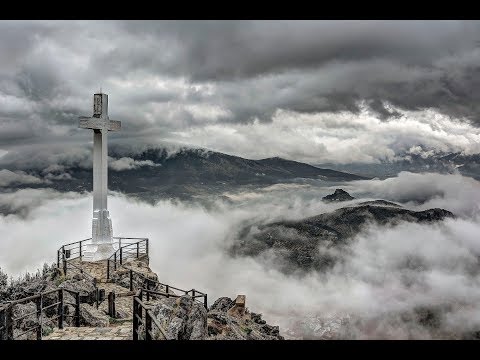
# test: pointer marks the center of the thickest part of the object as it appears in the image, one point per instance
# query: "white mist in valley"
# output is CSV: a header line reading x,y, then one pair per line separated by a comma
x,y
386,272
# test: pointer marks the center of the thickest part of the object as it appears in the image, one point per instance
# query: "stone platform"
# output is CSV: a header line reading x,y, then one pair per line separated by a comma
x,y
113,332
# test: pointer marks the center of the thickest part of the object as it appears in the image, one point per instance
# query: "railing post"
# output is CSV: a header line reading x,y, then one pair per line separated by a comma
x,y
80,251
135,320
193,294
96,291
39,317
205,301
166,290
64,267
77,309
138,249
111,304
148,325
121,256
58,259
140,311
115,260
146,246
60,308
131,280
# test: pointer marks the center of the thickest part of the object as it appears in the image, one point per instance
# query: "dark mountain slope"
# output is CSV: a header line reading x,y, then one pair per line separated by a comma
x,y
317,242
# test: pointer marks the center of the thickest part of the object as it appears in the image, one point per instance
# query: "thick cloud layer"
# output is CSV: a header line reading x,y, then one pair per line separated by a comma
x,y
387,272
215,83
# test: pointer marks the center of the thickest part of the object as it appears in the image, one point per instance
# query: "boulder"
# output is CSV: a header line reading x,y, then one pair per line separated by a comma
x,y
222,304
89,316
182,318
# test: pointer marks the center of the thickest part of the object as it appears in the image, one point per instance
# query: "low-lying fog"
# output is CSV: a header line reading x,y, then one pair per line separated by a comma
x,y
189,244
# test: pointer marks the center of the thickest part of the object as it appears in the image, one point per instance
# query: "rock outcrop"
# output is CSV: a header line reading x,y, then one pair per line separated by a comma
x,y
338,195
182,318
231,320
315,243
185,319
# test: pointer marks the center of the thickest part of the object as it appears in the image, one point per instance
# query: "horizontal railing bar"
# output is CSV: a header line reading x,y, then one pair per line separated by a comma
x,y
76,242
24,316
52,305
73,251
30,298
161,293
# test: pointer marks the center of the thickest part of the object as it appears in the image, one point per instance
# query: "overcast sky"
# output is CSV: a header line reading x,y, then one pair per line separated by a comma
x,y
314,91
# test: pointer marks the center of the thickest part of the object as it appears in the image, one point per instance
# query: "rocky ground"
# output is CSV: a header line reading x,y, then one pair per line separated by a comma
x,y
181,317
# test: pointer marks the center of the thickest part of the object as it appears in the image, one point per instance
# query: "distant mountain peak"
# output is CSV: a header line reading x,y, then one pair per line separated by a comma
x,y
338,195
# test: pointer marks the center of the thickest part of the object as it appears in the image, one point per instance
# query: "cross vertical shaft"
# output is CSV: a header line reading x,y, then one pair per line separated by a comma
x,y
102,242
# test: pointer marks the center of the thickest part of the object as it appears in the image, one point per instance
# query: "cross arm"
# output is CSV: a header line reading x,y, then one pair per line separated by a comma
x,y
99,123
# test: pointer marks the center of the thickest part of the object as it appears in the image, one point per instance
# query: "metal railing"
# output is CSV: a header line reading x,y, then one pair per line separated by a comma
x,y
133,249
148,285
8,322
71,251
142,315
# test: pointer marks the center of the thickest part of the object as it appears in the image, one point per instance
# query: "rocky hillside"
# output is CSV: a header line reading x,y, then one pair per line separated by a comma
x,y
306,244
181,317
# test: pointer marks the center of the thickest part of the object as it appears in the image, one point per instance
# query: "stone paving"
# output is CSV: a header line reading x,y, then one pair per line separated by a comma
x,y
113,332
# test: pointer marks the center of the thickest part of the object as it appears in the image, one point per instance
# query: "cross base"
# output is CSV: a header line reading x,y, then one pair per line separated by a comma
x,y
96,252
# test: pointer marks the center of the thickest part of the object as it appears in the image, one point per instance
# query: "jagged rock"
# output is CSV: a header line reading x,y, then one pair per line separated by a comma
x,y
229,320
238,309
257,318
182,318
222,304
338,195
89,316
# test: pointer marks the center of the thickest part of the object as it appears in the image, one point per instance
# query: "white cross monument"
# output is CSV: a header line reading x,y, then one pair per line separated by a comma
x,y
102,245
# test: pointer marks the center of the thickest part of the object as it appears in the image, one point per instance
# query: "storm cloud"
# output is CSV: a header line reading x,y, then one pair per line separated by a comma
x,y
199,82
